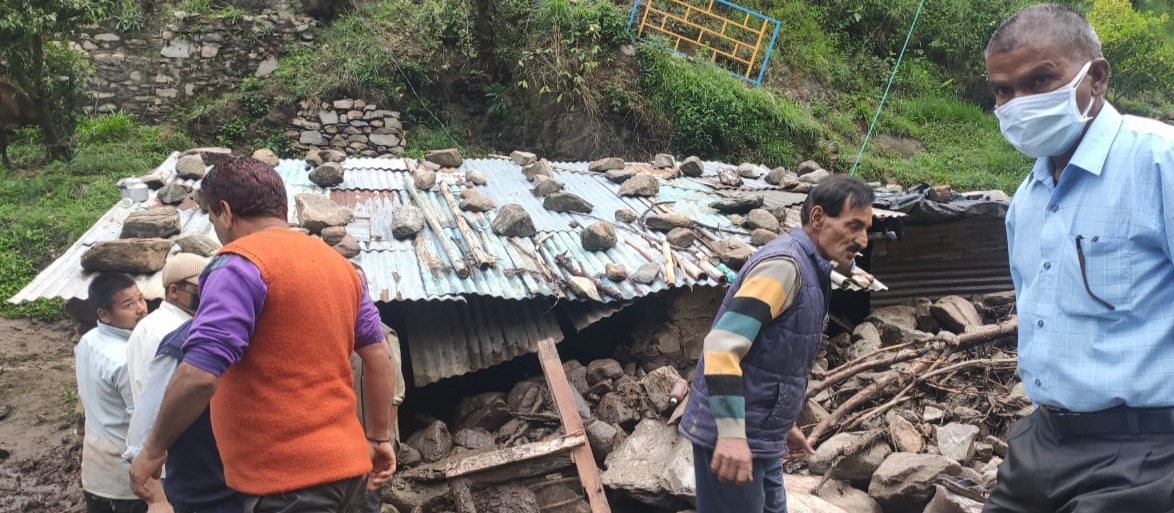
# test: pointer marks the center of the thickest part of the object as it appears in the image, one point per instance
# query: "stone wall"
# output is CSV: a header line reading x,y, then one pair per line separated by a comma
x,y
153,73
351,125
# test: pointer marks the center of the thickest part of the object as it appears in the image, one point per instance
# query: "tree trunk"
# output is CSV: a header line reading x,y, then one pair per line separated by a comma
x,y
55,148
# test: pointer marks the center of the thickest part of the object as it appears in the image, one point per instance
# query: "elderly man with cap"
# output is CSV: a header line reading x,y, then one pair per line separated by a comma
x,y
180,299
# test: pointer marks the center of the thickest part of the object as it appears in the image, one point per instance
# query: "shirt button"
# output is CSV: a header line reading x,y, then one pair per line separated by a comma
x,y
1037,383
1047,265
1040,323
1055,208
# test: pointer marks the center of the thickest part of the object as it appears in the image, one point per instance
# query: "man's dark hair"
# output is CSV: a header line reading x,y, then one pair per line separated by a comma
x,y
251,187
1061,25
833,192
103,288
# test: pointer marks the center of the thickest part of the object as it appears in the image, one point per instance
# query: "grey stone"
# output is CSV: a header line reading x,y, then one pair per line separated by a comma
x,y
348,247
956,313
807,166
857,467
267,156
761,237
734,252
527,396
312,137
190,167
412,496
513,221
127,255
317,212
567,202
173,193
473,438
905,481
738,205
681,237
925,320
344,104
643,185
762,218
107,38
615,272
209,51
178,49
328,117
337,141
158,222
333,234
748,170
523,158
834,496
487,410
334,156
693,167
328,174
904,434
576,375
473,201
614,409
894,322
646,273
600,236
664,161
729,177
932,414
777,176
450,157
407,221
424,178
625,215
266,68
545,185
957,441
388,140
815,177
433,442
945,502
605,165
603,369
666,222
643,465
475,177
658,385
603,437
620,175
198,243
536,169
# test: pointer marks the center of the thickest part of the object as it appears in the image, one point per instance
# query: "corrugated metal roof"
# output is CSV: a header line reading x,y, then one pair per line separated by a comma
x,y
453,338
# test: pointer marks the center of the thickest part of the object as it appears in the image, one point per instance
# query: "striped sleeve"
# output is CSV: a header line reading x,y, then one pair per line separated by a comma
x,y
766,291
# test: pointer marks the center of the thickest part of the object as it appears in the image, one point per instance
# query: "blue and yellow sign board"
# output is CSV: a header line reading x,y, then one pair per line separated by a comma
x,y
730,35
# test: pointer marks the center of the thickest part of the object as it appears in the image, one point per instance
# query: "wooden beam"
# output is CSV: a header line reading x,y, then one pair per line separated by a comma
x,y
450,469
483,260
454,256
560,389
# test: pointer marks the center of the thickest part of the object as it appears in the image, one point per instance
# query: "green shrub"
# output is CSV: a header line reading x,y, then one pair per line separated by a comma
x,y
1137,49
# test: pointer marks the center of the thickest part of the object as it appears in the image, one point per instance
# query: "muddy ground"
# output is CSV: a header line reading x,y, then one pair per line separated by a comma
x,y
40,439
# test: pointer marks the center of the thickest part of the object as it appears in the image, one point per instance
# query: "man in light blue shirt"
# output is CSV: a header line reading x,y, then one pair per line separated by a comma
x,y
1091,261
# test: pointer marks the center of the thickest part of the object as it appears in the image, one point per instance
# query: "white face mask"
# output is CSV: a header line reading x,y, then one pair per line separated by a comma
x,y
1045,124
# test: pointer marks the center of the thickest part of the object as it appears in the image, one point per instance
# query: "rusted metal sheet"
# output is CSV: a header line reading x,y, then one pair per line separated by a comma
x,y
962,257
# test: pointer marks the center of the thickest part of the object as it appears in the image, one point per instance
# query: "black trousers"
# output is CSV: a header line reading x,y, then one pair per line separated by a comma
x,y
96,504
345,496
1049,473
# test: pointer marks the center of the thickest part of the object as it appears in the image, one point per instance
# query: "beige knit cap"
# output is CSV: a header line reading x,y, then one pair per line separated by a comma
x,y
183,267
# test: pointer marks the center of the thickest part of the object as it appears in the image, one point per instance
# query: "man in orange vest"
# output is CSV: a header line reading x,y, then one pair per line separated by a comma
x,y
280,314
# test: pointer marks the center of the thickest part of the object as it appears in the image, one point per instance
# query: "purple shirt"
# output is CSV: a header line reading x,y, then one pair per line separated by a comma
x,y
232,296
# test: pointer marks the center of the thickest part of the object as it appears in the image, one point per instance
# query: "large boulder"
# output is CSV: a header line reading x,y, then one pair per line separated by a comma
x,y
567,202
605,165
834,492
329,174
652,465
857,467
407,221
159,222
513,221
693,167
190,167
450,157
956,313
905,481
737,205
316,212
600,236
666,222
127,255
643,184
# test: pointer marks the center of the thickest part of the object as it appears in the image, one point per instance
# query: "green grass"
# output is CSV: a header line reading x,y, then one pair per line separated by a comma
x,y
45,207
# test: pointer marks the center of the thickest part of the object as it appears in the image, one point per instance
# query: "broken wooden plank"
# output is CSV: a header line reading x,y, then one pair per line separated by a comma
x,y
457,467
560,389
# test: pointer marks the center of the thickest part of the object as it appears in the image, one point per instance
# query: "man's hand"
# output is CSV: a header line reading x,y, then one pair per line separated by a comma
x,y
797,445
146,466
732,461
383,461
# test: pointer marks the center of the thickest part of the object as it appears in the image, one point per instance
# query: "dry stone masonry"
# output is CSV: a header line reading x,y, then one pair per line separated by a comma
x,y
348,125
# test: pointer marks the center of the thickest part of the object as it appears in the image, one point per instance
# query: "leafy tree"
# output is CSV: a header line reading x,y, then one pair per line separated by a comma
x,y
1135,45
34,58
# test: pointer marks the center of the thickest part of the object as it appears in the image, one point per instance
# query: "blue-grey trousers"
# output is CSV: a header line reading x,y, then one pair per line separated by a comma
x,y
764,494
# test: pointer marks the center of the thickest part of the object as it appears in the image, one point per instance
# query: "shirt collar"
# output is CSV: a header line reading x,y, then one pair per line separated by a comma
x,y
110,331
174,310
1094,147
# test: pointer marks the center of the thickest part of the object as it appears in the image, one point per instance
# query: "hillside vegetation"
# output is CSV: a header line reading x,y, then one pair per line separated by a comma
x,y
563,78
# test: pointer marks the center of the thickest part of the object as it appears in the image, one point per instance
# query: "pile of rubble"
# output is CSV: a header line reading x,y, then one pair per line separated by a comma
x,y
907,410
